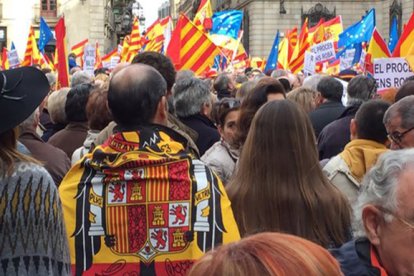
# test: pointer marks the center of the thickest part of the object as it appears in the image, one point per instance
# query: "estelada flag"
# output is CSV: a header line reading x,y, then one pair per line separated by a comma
x,y
142,204
190,48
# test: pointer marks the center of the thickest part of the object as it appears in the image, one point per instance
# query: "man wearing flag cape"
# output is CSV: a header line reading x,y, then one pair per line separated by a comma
x,y
142,204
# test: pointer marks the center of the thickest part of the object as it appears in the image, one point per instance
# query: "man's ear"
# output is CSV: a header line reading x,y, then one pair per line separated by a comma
x,y
161,114
373,222
353,129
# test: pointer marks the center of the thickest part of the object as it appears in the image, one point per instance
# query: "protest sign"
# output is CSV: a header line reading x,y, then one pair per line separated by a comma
x,y
309,66
13,58
346,59
324,51
89,59
391,72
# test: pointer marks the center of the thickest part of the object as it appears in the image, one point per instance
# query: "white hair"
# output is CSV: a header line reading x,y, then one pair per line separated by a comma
x,y
380,185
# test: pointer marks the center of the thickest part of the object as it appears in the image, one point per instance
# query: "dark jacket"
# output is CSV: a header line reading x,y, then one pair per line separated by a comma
x,y
355,258
207,132
70,138
223,94
325,114
334,137
48,127
55,160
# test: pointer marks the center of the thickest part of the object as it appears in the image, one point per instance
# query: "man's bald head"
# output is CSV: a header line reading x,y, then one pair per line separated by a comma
x,y
134,94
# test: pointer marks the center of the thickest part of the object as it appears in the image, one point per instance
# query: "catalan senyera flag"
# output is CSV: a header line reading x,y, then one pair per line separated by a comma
x,y
62,65
377,49
136,41
298,61
332,29
78,49
190,48
32,54
203,17
283,59
292,39
406,40
317,33
4,59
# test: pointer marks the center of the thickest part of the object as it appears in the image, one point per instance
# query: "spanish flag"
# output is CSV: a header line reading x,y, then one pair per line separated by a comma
x,y
377,49
5,60
406,39
107,58
125,48
283,60
332,29
78,49
62,64
190,48
317,33
32,54
203,17
98,59
141,204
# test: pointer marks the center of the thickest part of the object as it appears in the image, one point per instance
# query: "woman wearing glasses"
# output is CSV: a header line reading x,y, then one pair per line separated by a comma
x,y
223,155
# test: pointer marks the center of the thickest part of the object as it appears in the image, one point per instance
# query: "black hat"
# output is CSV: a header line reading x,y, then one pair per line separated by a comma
x,y
21,92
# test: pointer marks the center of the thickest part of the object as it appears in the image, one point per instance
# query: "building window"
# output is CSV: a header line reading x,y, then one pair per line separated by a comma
x,y
316,13
48,8
396,11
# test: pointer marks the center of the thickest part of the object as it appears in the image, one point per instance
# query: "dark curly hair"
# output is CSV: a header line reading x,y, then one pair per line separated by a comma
x,y
75,107
161,63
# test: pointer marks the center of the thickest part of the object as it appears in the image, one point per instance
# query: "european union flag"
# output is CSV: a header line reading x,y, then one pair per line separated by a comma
x,y
45,34
273,55
227,23
393,35
359,32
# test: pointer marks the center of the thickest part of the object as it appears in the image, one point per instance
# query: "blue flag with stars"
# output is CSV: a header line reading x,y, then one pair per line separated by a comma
x,y
393,35
359,32
273,55
45,34
227,23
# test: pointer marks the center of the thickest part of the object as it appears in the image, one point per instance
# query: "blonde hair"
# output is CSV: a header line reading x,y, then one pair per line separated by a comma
x,y
304,97
56,105
268,254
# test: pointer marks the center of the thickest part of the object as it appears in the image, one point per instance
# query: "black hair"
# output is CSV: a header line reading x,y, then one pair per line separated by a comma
x,y
133,100
369,120
407,89
330,88
76,100
161,63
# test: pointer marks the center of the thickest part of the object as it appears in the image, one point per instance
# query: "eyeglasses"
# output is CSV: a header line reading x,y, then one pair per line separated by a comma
x,y
405,222
398,136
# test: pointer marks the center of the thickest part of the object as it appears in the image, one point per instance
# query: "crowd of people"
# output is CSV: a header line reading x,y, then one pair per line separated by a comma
x,y
143,170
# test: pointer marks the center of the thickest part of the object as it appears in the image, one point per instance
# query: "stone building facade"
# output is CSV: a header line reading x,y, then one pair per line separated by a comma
x,y
262,18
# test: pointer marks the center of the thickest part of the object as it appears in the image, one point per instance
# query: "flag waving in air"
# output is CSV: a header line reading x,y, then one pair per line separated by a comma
x,y
406,40
393,34
190,48
273,55
204,15
359,32
45,34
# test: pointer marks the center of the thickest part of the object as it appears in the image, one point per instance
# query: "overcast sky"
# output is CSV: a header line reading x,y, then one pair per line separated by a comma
x,y
151,10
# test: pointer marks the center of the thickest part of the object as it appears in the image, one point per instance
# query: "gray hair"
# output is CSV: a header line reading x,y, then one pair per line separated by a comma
x,y
221,82
404,108
360,89
56,105
380,185
51,78
80,77
189,96
312,82
183,74
30,121
279,73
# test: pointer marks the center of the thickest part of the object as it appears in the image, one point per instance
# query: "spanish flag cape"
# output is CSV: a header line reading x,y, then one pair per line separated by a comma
x,y
142,204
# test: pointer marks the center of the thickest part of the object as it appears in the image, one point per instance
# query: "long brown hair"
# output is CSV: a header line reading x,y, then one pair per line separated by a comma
x,y
268,254
9,155
279,185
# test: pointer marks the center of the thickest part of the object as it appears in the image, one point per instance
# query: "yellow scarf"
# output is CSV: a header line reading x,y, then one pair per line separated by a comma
x,y
360,155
